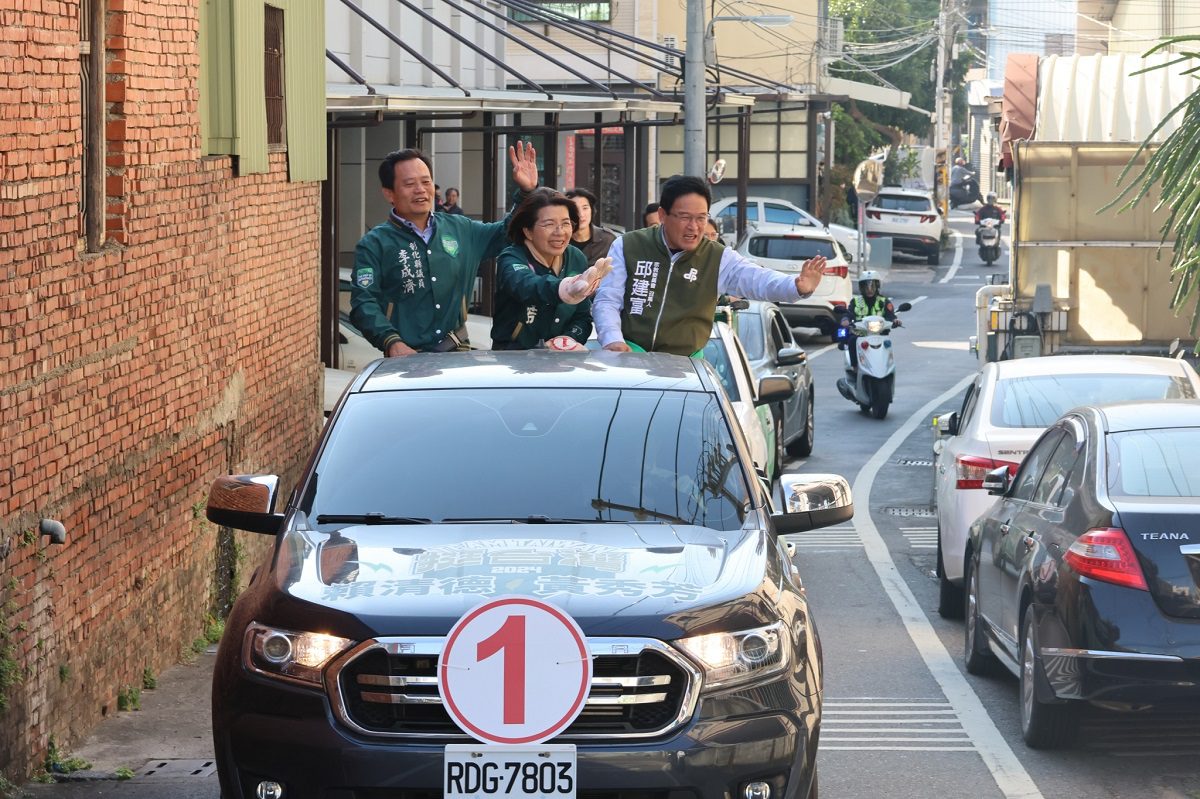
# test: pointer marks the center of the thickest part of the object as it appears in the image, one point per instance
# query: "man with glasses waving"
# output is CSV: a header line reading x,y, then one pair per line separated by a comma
x,y
662,292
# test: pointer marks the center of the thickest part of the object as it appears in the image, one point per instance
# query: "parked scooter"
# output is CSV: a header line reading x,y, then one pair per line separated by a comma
x,y
872,384
965,190
988,235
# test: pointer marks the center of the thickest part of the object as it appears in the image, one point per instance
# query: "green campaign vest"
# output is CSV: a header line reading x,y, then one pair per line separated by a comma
x,y
668,306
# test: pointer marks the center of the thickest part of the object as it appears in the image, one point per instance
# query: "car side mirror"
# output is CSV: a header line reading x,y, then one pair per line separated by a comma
x,y
904,306
774,388
946,424
813,501
791,356
245,502
997,481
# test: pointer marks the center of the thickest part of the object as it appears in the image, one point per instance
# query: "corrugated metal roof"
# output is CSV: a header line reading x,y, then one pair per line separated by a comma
x,y
342,97
1098,98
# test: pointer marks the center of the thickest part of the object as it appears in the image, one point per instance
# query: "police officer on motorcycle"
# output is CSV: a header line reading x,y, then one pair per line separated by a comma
x,y
869,302
989,210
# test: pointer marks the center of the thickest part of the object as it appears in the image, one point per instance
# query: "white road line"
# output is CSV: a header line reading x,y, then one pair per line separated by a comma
x,y
958,250
821,351
918,299
1010,776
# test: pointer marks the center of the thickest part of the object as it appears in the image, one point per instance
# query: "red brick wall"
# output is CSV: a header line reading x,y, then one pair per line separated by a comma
x,y
132,377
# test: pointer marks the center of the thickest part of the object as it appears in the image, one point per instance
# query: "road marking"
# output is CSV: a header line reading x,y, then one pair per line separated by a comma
x,y
918,299
821,351
827,538
1011,777
927,726
958,249
920,537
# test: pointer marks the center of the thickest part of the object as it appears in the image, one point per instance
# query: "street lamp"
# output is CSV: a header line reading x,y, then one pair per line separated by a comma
x,y
699,37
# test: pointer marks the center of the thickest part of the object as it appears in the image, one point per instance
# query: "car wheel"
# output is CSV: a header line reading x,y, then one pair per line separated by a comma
x,y
1044,725
779,453
803,446
935,256
976,656
950,596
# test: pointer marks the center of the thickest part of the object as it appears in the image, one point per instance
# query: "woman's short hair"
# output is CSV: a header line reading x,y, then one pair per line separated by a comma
x,y
527,212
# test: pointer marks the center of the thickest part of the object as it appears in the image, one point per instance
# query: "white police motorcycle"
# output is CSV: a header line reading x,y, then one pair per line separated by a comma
x,y
871,385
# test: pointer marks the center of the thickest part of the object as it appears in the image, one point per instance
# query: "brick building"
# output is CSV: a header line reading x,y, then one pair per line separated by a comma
x,y
159,309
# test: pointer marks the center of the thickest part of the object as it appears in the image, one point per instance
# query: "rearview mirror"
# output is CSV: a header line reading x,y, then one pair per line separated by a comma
x,y
813,501
946,424
245,502
904,306
790,356
774,388
996,481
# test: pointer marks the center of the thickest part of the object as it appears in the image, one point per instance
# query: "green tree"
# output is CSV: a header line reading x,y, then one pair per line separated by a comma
x,y
1174,166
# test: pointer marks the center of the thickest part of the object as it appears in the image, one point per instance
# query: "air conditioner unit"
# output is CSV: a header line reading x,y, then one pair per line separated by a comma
x,y
833,39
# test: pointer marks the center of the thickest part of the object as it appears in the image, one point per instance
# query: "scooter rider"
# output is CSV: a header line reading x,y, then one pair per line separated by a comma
x,y
989,210
869,302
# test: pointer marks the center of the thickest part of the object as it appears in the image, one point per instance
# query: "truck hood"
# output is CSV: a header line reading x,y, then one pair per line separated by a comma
x,y
613,579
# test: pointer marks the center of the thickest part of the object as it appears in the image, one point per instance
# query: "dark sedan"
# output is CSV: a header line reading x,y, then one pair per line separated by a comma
x,y
772,350
615,487
1083,579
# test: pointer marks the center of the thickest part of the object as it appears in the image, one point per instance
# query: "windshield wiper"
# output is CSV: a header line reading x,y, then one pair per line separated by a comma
x,y
534,519
368,518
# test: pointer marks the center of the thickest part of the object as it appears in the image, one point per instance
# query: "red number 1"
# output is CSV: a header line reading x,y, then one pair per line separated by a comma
x,y
511,638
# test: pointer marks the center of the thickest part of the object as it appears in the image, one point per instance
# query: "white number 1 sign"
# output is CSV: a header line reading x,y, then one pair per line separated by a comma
x,y
498,651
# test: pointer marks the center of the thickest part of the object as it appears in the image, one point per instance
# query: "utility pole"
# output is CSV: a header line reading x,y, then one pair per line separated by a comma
x,y
695,145
939,104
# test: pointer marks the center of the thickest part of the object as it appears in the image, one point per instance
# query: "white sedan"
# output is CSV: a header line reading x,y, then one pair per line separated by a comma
x,y
763,211
1008,406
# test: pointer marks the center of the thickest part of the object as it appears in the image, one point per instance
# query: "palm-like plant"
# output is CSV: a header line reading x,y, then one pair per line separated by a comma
x,y
1174,166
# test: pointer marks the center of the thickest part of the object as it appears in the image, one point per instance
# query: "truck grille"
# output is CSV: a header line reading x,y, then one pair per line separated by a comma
x,y
388,687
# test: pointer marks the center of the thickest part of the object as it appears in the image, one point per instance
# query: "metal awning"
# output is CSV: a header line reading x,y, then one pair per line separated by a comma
x,y
340,97
867,93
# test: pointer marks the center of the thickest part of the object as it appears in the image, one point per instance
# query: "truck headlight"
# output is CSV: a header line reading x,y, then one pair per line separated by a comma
x,y
733,658
293,656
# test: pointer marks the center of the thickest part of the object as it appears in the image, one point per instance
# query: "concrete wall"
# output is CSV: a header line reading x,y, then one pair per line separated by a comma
x,y
132,377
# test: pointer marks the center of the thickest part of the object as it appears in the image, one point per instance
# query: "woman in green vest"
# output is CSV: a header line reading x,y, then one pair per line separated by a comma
x,y
543,285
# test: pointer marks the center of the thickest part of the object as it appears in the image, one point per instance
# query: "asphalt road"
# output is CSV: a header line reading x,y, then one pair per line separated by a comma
x,y
902,718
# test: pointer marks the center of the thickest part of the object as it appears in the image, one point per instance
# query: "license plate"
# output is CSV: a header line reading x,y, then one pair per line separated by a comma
x,y
497,772
901,220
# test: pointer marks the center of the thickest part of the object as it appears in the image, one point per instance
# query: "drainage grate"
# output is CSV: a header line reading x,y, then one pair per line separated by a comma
x,y
913,462
921,512
169,769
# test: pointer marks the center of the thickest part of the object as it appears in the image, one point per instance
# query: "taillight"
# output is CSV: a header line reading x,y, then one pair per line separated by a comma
x,y
874,215
1105,554
838,271
971,469
927,218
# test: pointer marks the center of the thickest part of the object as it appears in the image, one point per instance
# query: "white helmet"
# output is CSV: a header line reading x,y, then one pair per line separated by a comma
x,y
868,276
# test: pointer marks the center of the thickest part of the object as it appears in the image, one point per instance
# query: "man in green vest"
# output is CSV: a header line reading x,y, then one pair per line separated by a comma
x,y
414,273
662,292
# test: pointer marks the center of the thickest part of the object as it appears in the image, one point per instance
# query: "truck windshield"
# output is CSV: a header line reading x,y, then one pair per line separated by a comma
x,y
1037,401
790,249
521,454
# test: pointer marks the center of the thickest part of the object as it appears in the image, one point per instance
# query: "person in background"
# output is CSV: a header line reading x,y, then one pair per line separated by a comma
x,y
544,285
592,239
666,279
451,205
711,232
650,215
437,196
413,274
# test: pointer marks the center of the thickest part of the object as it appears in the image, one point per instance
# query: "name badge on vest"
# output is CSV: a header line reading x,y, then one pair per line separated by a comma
x,y
450,246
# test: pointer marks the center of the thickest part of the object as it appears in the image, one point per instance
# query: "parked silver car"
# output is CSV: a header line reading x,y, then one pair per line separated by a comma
x,y
771,350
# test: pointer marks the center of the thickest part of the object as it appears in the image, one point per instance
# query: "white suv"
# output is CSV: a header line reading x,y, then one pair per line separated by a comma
x,y
910,219
763,211
785,249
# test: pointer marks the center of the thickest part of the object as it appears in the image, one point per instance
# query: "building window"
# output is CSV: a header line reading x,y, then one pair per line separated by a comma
x,y
273,65
586,10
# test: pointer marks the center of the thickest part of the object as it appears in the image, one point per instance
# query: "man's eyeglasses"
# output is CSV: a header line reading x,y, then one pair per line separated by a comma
x,y
690,220
550,225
